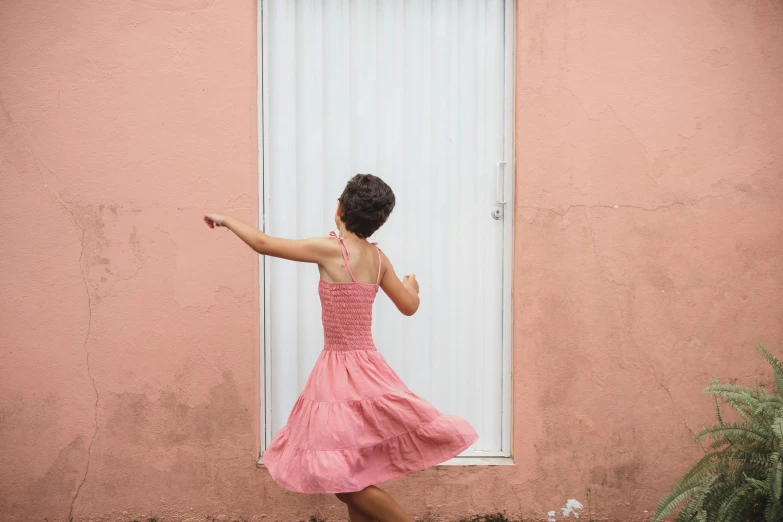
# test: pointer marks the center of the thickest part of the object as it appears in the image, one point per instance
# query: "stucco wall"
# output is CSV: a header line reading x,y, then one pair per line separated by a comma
x,y
648,227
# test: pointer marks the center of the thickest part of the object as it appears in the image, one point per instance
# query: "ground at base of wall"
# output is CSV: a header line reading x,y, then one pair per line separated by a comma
x,y
496,517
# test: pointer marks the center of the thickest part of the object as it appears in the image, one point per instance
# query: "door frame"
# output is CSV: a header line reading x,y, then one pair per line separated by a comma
x,y
509,42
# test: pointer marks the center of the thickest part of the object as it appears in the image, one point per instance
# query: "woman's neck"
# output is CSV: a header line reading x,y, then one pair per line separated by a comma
x,y
345,233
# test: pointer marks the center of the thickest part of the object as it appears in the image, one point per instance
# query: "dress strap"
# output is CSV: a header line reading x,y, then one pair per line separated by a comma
x,y
378,281
344,250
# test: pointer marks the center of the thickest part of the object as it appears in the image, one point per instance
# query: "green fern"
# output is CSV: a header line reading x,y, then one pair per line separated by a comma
x,y
742,479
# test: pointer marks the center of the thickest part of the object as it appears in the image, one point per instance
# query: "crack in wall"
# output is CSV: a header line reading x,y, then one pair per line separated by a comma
x,y
638,141
89,371
611,109
637,207
39,165
86,338
674,404
601,268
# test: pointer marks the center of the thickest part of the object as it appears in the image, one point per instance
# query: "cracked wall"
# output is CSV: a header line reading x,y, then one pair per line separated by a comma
x,y
648,234
129,333
648,227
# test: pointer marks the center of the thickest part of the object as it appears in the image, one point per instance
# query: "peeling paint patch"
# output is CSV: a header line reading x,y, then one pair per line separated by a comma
x,y
571,508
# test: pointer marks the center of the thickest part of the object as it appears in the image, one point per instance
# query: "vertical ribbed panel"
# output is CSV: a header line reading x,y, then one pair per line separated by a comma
x,y
412,91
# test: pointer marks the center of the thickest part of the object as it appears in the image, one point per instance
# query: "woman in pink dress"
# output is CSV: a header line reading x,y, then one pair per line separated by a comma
x,y
355,423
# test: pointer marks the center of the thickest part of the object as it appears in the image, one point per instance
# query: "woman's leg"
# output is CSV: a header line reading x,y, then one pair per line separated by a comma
x,y
353,513
376,504
357,516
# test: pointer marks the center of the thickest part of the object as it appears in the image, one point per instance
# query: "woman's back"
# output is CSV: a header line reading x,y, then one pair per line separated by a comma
x,y
346,307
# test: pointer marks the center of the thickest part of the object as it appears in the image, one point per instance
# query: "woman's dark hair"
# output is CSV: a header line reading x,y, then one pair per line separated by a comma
x,y
366,204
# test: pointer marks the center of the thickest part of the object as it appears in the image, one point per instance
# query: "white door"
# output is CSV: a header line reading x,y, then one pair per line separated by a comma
x,y
418,93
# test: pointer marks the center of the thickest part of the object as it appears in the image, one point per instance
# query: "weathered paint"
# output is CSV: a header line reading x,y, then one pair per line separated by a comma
x,y
648,240
572,508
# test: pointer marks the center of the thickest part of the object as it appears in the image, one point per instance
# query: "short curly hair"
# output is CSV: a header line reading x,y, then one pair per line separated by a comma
x,y
366,204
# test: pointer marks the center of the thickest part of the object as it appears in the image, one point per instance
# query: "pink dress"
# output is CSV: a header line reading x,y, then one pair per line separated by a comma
x,y
356,423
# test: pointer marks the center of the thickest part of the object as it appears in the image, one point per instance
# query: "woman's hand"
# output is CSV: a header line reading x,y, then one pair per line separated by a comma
x,y
214,220
409,282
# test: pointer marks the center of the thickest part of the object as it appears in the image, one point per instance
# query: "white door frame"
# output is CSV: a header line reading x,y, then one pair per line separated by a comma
x,y
509,39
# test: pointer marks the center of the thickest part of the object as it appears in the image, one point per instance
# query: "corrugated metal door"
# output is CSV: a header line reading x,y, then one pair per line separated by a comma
x,y
416,93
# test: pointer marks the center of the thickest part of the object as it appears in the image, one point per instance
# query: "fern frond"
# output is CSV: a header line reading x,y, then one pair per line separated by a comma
x,y
718,442
770,406
773,511
733,504
705,464
715,497
760,485
776,367
717,408
758,459
777,479
777,427
694,508
741,431
682,490
734,395
775,400
728,392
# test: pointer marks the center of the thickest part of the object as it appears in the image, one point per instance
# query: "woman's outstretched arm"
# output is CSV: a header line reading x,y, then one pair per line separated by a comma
x,y
313,250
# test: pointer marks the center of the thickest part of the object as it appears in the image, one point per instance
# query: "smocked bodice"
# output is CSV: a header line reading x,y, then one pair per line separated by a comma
x,y
346,314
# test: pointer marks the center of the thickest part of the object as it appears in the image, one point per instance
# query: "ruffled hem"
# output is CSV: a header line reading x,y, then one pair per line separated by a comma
x,y
353,469
328,426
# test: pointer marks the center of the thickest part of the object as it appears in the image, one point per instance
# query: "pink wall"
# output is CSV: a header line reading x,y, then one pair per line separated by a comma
x,y
648,237
649,234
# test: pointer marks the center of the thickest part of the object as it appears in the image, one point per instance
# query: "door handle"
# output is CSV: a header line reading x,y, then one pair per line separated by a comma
x,y
500,172
499,182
